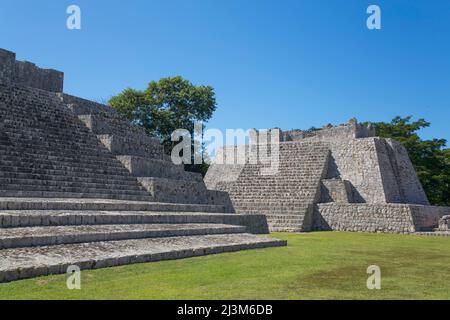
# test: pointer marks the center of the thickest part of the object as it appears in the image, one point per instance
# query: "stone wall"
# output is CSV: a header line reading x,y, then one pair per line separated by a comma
x,y
379,171
80,106
336,190
118,134
289,192
427,217
410,188
105,119
226,168
356,161
350,130
394,218
28,74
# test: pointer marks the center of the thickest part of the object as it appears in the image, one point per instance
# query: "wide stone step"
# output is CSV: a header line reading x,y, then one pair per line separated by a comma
x,y
46,236
53,194
294,216
54,190
106,167
22,263
295,223
255,223
93,155
58,169
116,180
73,161
268,199
86,149
5,171
111,124
65,203
18,123
292,228
118,145
148,167
105,185
273,207
52,146
182,191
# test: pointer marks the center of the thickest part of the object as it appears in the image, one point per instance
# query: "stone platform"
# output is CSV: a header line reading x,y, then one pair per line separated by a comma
x,y
45,236
27,262
434,233
341,178
81,185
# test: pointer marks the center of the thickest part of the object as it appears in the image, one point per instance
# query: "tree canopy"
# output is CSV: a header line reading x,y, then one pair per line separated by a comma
x,y
430,158
166,105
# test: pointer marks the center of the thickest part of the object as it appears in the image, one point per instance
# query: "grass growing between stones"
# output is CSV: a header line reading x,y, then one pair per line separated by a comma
x,y
321,265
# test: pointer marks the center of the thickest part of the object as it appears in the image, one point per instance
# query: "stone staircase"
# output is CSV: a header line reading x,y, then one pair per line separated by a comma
x,y
81,186
45,236
50,154
144,157
287,197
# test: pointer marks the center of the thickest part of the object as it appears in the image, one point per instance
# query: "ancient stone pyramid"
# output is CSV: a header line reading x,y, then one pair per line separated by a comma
x,y
82,186
337,178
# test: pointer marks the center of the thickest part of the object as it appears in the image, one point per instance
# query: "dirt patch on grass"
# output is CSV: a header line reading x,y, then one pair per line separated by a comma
x,y
338,277
42,282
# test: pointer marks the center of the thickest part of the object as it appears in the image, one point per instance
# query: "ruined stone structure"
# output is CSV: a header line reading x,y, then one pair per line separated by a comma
x,y
444,223
336,178
25,73
80,185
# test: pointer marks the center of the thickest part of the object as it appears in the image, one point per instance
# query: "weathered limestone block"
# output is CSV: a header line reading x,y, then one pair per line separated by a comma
x,y
7,60
444,223
364,218
28,74
183,191
409,187
394,218
222,175
80,106
147,167
329,133
336,190
356,161
119,145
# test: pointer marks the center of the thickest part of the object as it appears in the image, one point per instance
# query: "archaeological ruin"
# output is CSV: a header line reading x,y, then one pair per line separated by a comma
x,y
82,186
337,178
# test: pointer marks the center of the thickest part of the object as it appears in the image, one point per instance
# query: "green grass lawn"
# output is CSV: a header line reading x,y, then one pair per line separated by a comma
x,y
321,265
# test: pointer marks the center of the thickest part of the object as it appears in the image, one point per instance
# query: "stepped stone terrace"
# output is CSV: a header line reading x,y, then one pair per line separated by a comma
x,y
80,185
336,178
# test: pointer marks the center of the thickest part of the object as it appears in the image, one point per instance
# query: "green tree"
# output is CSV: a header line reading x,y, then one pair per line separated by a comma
x,y
430,158
166,105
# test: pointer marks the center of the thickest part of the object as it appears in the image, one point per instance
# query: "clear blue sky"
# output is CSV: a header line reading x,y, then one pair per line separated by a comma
x,y
291,64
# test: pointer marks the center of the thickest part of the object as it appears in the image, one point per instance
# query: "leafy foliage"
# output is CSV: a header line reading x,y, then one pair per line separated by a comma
x,y
430,158
166,105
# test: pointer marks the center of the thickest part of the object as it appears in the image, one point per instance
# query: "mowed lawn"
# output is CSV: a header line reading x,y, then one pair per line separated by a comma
x,y
320,265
